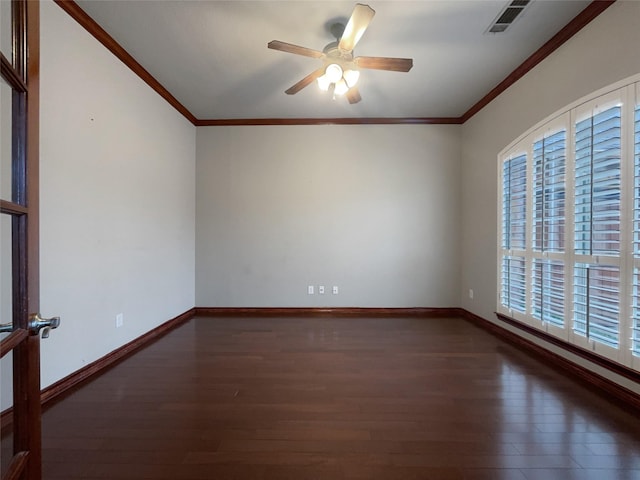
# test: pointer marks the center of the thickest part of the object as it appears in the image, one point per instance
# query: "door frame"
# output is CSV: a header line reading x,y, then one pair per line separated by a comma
x,y
22,73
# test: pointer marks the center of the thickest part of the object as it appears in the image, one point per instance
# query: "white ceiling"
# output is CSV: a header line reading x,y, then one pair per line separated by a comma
x,y
213,57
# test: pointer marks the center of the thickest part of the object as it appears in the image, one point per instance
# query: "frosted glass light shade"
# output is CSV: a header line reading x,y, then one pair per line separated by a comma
x,y
323,83
333,73
351,77
341,87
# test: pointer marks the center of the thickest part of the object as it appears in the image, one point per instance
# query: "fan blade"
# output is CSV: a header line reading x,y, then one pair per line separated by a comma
x,y
304,82
384,63
358,23
353,95
291,48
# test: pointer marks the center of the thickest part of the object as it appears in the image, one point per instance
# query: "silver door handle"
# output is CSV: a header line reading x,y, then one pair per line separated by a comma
x,y
6,327
37,323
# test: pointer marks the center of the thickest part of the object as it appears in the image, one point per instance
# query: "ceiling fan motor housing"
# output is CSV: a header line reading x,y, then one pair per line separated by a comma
x,y
334,53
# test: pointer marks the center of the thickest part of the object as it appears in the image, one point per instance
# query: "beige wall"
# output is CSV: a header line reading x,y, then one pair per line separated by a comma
x,y
372,209
117,201
602,53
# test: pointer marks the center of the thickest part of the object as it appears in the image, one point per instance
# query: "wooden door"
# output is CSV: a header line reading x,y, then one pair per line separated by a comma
x,y
19,216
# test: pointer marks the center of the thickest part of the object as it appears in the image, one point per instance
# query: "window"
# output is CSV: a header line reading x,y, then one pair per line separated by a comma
x,y
569,236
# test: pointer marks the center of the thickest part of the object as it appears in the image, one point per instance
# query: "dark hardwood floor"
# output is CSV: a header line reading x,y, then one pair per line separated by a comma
x,y
336,398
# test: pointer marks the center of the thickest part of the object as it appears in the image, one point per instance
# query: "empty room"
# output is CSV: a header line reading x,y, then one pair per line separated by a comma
x,y
320,239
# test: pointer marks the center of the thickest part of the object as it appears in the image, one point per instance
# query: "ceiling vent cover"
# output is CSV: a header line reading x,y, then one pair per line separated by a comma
x,y
507,16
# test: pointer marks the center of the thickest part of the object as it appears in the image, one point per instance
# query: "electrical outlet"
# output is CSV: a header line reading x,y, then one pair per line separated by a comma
x,y
335,290
471,293
321,289
310,289
119,320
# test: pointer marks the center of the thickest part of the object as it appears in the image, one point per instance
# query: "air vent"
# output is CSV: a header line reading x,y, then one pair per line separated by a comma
x,y
507,16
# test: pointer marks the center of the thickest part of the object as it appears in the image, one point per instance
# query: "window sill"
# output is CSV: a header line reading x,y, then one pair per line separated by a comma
x,y
592,357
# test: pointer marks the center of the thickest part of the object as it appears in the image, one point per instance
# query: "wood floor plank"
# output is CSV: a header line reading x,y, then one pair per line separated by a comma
x,y
338,398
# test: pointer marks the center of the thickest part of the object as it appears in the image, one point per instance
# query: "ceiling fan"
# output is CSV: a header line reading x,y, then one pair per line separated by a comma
x,y
340,70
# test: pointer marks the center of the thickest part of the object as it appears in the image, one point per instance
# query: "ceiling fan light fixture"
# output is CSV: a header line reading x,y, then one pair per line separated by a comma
x,y
340,70
351,77
333,72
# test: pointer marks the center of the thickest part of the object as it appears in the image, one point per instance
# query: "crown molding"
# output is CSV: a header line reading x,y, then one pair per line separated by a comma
x,y
330,121
90,25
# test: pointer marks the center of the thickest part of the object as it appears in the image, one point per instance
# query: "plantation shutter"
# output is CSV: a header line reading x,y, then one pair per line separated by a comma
x,y
635,327
596,295
514,219
549,164
597,184
514,203
548,227
548,291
